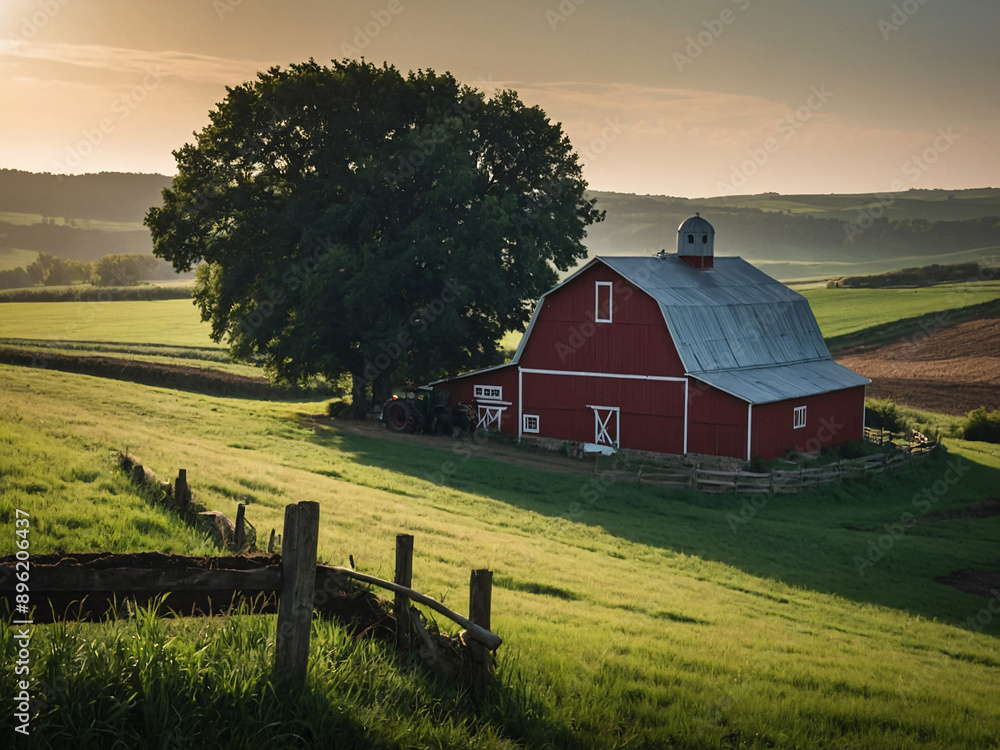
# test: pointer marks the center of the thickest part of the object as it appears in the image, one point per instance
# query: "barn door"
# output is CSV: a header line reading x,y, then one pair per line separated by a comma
x,y
489,416
606,422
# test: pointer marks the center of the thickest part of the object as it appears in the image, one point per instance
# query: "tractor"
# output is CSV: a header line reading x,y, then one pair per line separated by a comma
x,y
426,410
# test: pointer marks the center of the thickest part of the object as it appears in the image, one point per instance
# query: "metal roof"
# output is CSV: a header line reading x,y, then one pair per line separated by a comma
x,y
738,329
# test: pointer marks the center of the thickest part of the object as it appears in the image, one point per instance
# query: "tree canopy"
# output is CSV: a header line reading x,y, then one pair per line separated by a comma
x,y
350,219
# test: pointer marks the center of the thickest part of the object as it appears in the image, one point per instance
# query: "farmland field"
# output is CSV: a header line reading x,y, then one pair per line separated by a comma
x,y
642,618
841,311
167,322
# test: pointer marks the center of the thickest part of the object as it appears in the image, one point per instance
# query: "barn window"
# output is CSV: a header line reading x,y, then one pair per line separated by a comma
x,y
602,302
704,239
690,239
488,392
799,418
530,423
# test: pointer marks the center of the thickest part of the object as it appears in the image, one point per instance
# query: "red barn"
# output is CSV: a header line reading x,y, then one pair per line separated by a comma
x,y
673,353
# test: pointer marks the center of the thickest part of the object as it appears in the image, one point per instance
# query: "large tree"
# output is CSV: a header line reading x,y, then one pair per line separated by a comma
x,y
348,219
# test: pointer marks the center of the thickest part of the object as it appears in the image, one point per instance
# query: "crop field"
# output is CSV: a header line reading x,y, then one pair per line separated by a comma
x,y
640,618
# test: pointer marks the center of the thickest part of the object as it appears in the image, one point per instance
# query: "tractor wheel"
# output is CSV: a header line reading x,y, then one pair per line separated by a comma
x,y
399,416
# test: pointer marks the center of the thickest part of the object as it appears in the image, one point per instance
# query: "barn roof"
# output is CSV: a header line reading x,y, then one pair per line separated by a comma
x,y
738,329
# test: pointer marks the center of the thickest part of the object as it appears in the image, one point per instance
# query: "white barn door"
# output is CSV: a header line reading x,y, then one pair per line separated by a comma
x,y
606,423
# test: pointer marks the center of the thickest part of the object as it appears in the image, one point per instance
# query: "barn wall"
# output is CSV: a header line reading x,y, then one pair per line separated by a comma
x,y
462,390
651,412
717,422
831,419
565,336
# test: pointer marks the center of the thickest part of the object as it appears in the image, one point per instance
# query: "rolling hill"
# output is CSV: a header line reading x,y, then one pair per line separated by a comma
x,y
790,236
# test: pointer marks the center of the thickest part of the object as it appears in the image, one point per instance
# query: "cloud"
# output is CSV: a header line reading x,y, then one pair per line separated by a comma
x,y
192,67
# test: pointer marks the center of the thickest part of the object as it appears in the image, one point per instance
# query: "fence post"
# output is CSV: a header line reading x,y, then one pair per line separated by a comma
x,y
270,543
240,536
404,577
298,583
480,603
181,494
481,597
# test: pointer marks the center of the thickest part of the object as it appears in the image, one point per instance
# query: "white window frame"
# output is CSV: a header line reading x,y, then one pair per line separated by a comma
x,y
527,420
799,418
597,301
487,392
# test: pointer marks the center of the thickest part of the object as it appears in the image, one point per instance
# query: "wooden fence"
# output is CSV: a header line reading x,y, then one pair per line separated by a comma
x,y
294,578
693,477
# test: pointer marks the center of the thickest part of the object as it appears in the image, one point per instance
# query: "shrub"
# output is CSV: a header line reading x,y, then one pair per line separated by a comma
x,y
982,425
884,415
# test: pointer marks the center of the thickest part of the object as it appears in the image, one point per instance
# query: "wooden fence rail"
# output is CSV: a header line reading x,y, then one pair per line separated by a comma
x,y
693,477
294,577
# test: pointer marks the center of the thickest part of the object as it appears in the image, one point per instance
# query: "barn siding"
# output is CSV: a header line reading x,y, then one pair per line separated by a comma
x,y
717,422
462,390
831,419
651,412
564,335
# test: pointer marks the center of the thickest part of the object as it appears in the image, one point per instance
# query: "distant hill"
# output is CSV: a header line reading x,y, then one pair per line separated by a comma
x,y
813,235
789,236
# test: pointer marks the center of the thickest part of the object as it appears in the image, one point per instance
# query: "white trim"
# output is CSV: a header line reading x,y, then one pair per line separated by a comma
x,y
597,301
495,392
623,376
520,403
749,427
601,425
686,386
798,424
526,418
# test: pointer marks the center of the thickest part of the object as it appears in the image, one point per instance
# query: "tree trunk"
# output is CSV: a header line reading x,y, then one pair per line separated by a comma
x,y
359,396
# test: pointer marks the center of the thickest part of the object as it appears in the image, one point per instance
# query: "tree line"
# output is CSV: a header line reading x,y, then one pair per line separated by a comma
x,y
110,270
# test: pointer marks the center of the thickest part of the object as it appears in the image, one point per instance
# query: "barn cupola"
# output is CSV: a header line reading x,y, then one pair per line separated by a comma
x,y
696,242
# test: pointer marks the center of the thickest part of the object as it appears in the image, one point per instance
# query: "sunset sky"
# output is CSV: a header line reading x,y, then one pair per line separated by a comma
x,y
680,98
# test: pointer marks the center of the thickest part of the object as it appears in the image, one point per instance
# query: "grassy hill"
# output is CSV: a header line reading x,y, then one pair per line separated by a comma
x,y
632,616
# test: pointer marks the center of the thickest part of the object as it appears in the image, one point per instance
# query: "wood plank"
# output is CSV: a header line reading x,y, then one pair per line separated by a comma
x,y
53,579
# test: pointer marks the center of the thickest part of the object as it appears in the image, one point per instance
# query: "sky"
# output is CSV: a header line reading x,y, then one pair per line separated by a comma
x,y
689,98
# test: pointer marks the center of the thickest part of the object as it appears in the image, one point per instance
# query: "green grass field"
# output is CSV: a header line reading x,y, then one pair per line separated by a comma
x,y
841,311
168,322
632,616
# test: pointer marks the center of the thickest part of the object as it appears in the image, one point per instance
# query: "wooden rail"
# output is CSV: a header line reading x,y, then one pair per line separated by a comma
x,y
299,583
680,476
